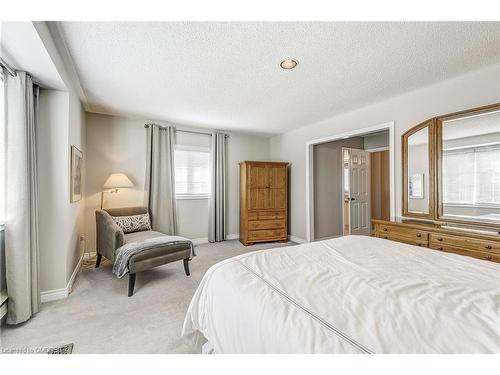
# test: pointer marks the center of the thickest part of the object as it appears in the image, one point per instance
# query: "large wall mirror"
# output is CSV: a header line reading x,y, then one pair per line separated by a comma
x,y
469,166
451,168
418,171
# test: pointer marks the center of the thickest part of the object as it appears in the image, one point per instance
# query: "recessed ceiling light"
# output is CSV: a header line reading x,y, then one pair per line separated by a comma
x,y
289,64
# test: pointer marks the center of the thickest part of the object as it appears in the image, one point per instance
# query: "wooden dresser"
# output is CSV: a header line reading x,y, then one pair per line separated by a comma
x,y
473,243
263,202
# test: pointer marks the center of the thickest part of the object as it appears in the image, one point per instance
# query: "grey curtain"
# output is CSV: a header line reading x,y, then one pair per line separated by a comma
x,y
218,173
21,229
160,179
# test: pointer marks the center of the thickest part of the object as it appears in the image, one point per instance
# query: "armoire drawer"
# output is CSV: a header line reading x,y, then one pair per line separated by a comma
x,y
265,235
266,215
415,234
468,243
467,252
266,224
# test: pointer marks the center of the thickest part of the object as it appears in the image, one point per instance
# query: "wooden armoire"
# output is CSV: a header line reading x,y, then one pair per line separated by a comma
x,y
263,202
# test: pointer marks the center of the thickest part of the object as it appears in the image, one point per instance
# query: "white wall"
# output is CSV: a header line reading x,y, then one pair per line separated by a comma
x,y
468,91
61,123
75,221
114,144
53,187
118,144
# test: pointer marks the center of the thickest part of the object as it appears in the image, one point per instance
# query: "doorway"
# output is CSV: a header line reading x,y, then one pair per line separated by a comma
x,y
349,181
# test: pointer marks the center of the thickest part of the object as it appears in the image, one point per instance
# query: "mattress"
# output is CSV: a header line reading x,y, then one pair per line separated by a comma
x,y
352,294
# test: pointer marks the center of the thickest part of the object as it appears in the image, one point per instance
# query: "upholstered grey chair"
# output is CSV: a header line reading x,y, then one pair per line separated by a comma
x,y
110,237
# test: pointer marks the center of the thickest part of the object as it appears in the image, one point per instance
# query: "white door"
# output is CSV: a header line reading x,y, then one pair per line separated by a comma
x,y
356,182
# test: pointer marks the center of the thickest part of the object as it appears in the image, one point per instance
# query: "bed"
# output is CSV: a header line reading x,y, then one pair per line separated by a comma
x,y
352,294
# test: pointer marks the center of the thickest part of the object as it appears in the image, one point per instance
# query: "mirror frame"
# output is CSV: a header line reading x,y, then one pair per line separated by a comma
x,y
439,163
431,125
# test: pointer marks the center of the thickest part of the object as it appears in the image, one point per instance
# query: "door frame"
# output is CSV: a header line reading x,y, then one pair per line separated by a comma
x,y
310,168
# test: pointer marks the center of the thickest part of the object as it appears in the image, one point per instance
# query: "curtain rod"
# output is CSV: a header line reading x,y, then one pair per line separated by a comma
x,y
9,70
188,131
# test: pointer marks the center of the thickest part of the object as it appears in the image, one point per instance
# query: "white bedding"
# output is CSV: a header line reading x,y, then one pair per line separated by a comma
x,y
352,294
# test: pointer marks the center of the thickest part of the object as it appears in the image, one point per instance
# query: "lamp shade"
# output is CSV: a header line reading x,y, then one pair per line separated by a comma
x,y
117,180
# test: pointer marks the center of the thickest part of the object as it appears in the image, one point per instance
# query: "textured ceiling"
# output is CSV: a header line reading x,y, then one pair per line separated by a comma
x,y
227,75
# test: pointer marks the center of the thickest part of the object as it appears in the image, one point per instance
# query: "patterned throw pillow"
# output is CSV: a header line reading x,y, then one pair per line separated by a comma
x,y
133,223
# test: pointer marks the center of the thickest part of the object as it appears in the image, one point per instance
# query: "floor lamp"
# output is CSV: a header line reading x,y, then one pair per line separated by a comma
x,y
115,182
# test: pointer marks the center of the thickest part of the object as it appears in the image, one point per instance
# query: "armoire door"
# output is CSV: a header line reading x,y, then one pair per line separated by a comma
x,y
277,187
258,188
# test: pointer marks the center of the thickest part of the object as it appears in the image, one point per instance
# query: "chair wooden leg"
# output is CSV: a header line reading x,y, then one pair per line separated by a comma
x,y
131,284
98,260
186,267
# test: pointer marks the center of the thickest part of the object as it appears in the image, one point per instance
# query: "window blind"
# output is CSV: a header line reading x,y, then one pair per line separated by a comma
x,y
192,171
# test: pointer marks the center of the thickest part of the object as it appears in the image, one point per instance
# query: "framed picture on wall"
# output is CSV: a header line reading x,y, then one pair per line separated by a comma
x,y
76,174
416,186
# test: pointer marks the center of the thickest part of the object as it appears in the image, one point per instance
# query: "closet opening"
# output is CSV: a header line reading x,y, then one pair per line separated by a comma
x,y
349,183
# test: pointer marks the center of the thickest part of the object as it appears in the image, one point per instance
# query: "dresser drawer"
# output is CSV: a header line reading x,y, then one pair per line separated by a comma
x,y
266,235
404,239
393,230
266,215
467,252
266,224
467,243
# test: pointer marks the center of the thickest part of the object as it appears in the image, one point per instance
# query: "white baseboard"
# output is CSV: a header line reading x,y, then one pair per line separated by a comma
x,y
296,239
57,294
54,295
233,236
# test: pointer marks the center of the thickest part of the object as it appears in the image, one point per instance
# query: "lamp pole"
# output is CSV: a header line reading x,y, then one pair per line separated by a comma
x,y
108,191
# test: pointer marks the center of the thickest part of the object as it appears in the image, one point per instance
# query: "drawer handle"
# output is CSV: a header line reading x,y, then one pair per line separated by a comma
x,y
488,257
419,235
440,239
488,247
384,237
385,229
440,248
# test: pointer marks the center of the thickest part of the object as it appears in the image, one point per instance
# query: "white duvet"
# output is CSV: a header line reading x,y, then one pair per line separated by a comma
x,y
352,294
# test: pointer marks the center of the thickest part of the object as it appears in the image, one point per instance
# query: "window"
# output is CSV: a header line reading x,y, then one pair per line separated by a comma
x,y
192,172
483,164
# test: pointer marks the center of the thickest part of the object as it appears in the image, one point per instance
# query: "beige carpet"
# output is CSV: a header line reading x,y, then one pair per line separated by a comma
x,y
98,317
